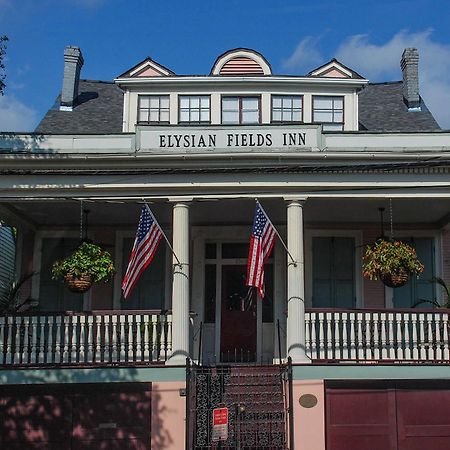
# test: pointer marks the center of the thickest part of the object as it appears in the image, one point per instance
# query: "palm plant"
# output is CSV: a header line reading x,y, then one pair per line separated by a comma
x,y
445,303
10,296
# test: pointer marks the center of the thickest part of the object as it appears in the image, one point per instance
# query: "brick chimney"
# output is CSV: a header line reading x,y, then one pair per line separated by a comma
x,y
73,62
410,68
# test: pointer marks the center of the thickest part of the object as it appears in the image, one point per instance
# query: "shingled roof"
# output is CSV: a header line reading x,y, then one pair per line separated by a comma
x,y
381,108
98,110
100,105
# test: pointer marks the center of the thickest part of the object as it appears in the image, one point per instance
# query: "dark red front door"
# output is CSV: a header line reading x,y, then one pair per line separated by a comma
x,y
238,320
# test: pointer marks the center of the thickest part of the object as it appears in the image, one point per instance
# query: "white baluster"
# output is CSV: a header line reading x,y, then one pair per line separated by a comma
x,y
408,352
98,339
321,337
73,341
352,336
376,336
82,347
337,336
50,351
329,344
131,339
42,348
359,337
58,358
438,340
114,352
9,350
307,334
445,336
423,351
65,358
122,338
26,341
90,345
146,337
107,337
169,335
400,343
34,335
314,346
138,320
3,335
345,346
155,337
17,354
431,337
391,336
368,345
415,351
384,352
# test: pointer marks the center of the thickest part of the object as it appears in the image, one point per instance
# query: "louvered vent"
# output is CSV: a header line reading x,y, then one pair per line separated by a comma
x,y
241,66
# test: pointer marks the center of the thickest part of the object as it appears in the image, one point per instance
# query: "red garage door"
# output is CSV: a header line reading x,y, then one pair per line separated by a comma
x,y
392,417
75,417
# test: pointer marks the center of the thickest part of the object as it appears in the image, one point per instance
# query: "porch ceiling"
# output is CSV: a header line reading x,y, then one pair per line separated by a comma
x,y
317,211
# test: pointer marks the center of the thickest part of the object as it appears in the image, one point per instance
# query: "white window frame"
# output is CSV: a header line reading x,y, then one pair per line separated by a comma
x,y
290,109
240,109
330,125
159,109
190,109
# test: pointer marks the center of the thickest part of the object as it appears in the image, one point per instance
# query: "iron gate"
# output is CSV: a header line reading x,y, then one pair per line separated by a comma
x,y
258,402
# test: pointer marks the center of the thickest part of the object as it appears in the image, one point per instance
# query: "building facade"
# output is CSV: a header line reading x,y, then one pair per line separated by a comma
x,y
336,161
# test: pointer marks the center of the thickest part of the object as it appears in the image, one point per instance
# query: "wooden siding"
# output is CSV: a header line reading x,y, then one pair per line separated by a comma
x,y
241,66
7,257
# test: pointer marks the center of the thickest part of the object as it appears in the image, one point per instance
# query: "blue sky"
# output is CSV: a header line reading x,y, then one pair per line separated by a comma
x,y
294,36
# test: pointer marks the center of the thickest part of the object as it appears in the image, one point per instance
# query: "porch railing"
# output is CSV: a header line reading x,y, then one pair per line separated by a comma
x,y
93,338
367,335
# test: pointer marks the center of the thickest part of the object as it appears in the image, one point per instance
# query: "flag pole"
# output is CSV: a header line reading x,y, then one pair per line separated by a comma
x,y
278,234
164,234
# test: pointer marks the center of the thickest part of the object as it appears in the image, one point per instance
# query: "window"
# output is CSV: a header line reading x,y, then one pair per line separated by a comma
x,y
287,108
240,110
330,112
153,109
194,108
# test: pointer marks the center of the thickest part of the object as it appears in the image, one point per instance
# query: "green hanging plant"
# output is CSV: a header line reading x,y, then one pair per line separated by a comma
x,y
391,259
88,262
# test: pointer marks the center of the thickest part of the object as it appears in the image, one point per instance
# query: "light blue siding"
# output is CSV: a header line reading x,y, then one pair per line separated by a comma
x,y
7,257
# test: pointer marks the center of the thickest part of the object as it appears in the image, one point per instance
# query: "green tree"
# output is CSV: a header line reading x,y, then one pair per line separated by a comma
x,y
3,41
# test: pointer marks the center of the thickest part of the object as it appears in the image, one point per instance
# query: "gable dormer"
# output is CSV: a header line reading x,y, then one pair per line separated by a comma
x,y
147,68
241,61
334,69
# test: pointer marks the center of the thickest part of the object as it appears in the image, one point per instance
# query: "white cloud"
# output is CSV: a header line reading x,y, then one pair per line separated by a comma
x,y
381,62
16,116
306,55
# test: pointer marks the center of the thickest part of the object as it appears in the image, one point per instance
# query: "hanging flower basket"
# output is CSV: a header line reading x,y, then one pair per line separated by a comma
x,y
78,284
88,264
392,262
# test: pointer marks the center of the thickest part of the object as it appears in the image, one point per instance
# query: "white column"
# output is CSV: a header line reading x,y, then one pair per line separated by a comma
x,y
296,283
180,284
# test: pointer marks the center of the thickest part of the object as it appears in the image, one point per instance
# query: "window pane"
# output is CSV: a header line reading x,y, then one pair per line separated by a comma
x,y
332,127
250,103
338,103
276,102
250,117
323,103
164,116
287,102
184,102
297,102
296,116
230,103
154,116
210,251
338,117
322,116
204,115
230,117
164,102
276,115
235,250
210,293
195,115
154,102
184,115
144,102
287,116
204,102
143,116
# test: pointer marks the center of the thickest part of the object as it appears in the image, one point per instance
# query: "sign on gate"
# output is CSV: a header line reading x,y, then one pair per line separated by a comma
x,y
220,424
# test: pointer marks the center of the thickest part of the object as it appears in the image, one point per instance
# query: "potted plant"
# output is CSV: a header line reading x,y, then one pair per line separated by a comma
x,y
392,262
86,265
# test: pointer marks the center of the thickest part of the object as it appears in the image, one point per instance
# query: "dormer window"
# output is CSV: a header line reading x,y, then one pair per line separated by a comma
x,y
194,108
287,108
241,110
329,111
153,109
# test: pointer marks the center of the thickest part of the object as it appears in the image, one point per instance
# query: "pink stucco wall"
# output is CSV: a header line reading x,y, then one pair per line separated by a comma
x,y
309,423
168,416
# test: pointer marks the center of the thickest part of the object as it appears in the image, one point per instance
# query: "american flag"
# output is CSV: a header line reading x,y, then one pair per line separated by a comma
x,y
148,235
261,244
